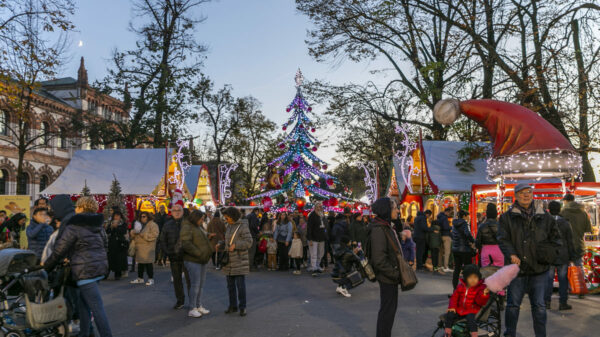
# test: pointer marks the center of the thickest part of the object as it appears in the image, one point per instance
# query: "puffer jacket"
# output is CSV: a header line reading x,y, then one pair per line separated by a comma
x,y
38,235
238,258
468,300
518,236
421,229
84,244
169,237
316,229
580,224
195,243
381,253
145,243
487,233
461,237
566,252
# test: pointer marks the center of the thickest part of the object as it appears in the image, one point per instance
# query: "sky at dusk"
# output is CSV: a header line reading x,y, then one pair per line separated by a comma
x,y
256,46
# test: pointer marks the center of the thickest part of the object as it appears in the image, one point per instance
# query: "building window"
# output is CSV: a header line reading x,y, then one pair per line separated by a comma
x,y
4,119
106,113
62,138
3,182
23,184
45,136
43,182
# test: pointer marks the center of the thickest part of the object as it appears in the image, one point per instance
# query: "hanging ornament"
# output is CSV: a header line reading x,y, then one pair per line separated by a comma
x,y
267,202
300,202
313,130
306,192
324,167
288,109
314,149
309,108
317,184
301,126
284,127
282,146
295,164
307,144
329,181
333,202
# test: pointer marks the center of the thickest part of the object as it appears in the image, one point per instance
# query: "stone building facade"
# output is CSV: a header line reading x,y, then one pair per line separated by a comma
x,y
53,103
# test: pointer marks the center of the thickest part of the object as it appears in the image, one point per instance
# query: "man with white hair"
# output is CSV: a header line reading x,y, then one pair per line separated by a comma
x,y
168,242
316,235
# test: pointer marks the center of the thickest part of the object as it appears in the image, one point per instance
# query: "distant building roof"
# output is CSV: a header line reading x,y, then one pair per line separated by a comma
x,y
59,81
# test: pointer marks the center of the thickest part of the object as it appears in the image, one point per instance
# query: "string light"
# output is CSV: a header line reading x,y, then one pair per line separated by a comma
x,y
225,181
549,163
407,167
180,170
370,169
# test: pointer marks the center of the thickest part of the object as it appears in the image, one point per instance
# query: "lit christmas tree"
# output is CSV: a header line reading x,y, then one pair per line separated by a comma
x,y
298,170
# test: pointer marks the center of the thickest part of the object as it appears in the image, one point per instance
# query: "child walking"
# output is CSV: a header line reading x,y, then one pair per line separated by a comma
x,y
435,242
470,295
271,254
296,253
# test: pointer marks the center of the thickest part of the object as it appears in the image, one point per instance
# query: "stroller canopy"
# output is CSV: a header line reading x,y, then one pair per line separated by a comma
x,y
16,260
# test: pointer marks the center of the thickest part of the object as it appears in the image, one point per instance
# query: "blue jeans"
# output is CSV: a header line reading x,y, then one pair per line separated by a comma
x,y
535,287
236,285
197,274
91,301
563,283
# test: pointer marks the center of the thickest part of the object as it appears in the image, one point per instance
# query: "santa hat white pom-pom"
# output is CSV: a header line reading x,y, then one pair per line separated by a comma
x,y
446,111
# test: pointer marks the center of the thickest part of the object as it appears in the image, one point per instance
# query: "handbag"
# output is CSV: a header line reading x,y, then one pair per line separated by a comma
x,y
131,249
408,277
355,278
225,255
577,281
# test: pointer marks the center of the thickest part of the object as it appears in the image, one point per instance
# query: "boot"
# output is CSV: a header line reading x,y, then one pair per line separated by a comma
x,y
564,306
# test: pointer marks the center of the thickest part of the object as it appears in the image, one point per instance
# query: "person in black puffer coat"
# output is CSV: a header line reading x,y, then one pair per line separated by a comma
x,y
486,241
462,245
117,245
381,251
84,243
420,237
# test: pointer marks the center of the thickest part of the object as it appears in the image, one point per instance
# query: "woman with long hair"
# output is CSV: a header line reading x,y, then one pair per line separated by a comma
x,y
283,236
382,248
145,247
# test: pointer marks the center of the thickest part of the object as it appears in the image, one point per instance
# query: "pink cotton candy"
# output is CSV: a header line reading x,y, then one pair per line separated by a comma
x,y
502,278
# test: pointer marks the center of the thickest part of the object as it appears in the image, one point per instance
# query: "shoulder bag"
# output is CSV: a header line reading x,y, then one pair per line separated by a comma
x,y
408,277
225,256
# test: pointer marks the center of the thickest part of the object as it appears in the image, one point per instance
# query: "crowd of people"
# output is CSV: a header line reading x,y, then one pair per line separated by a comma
x,y
237,243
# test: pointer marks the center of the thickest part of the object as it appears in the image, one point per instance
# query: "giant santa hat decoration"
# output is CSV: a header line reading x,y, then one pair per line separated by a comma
x,y
525,144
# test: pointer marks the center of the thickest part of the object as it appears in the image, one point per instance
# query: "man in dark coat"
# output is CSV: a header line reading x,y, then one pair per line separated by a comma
x,y
168,243
446,229
254,226
566,255
521,230
420,236
316,234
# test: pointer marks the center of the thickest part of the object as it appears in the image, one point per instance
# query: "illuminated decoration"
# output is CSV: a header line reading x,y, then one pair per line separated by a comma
x,y
372,191
526,146
298,170
407,167
225,181
178,177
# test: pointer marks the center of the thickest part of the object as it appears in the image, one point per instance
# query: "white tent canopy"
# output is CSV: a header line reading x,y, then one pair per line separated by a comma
x,y
138,171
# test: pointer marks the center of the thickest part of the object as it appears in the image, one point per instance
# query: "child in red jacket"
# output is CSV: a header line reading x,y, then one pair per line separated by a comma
x,y
466,301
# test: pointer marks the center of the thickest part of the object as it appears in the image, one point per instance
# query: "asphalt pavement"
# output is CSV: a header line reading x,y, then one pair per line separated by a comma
x,y
282,304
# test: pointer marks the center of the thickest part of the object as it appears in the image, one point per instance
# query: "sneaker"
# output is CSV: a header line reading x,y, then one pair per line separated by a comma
x,y
203,310
343,292
195,313
137,281
297,272
564,306
178,306
171,279
150,282
448,270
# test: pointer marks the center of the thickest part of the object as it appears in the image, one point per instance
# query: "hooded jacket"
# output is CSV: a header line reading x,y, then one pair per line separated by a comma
x,y
468,300
461,237
518,235
580,224
63,209
37,235
84,244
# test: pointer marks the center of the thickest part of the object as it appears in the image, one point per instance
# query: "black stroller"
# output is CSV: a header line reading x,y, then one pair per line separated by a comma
x,y
489,318
29,307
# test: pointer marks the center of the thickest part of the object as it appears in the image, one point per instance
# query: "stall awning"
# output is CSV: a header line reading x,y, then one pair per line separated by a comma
x,y
138,171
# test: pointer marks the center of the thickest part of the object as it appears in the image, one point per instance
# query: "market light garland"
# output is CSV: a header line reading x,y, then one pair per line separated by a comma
x,y
178,177
370,169
225,181
535,165
407,167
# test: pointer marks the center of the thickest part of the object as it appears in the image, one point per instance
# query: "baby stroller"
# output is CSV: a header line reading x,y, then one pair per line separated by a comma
x,y
29,307
489,318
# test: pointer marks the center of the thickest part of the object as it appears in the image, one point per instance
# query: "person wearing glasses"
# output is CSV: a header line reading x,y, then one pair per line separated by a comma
x,y
145,248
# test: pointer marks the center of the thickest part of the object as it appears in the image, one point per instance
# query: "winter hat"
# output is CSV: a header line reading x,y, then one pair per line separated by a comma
x,y
519,136
470,270
491,212
382,207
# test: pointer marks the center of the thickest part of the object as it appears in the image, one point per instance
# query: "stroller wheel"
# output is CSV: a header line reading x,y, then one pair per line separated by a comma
x,y
14,334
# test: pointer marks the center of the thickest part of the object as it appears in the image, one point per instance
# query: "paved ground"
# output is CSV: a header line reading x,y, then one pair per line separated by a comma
x,y
281,304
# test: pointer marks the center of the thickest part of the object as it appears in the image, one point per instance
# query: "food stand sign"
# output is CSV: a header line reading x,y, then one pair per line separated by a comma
x,y
14,204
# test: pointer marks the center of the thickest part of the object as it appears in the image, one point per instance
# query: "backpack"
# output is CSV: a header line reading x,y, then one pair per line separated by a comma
x,y
262,246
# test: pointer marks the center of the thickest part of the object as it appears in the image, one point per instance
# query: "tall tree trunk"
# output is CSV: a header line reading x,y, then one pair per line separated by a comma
x,y
21,190
488,61
584,130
